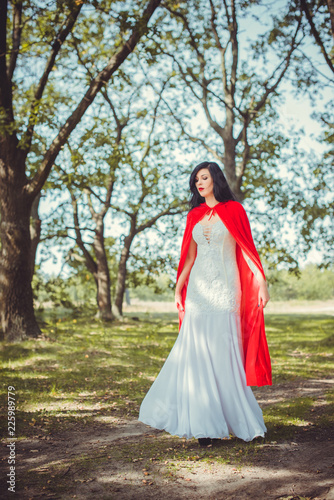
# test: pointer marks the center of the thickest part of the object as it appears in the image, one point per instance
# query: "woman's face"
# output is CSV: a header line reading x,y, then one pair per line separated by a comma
x,y
204,182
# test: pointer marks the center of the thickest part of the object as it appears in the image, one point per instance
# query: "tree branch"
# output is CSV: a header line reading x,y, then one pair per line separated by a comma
x,y
16,37
91,208
233,29
56,46
219,45
200,57
114,63
120,125
315,68
316,34
186,24
118,209
184,75
269,90
106,204
193,138
154,119
82,62
198,82
150,222
241,167
223,51
214,27
91,264
227,12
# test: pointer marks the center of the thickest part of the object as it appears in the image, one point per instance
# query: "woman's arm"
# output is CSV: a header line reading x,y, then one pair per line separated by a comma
x,y
188,264
255,270
263,290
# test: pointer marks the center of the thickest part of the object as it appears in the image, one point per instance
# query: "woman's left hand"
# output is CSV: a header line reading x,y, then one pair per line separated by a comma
x,y
263,294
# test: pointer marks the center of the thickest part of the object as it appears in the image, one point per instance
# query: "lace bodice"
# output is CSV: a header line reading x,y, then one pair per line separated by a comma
x,y
214,283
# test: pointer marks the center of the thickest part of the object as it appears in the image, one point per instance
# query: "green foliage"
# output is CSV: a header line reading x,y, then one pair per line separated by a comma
x,y
75,293
157,290
311,284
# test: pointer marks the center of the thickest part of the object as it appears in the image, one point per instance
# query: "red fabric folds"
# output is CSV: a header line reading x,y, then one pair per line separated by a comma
x,y
256,354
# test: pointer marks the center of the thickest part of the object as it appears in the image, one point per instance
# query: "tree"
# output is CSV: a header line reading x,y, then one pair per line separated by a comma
x,y
148,200
205,54
319,27
99,185
18,189
98,266
150,193
236,95
130,157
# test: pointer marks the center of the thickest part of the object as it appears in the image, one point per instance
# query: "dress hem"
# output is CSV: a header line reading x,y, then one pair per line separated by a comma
x,y
197,436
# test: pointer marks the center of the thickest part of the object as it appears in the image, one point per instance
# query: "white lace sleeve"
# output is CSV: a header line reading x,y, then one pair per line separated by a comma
x,y
256,271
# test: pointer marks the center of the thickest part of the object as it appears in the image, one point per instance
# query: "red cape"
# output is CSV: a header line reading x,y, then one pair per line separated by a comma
x,y
256,354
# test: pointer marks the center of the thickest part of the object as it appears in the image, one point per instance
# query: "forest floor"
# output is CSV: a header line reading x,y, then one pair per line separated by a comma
x,y
78,392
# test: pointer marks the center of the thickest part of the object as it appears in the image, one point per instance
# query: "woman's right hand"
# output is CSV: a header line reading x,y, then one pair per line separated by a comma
x,y
178,300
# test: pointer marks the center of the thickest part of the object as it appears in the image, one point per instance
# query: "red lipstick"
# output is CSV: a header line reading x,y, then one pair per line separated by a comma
x,y
200,189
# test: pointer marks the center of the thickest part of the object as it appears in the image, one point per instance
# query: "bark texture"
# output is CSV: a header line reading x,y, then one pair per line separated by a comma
x,y
102,276
16,298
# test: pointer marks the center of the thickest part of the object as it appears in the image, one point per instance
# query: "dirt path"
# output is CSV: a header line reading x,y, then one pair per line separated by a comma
x,y
124,459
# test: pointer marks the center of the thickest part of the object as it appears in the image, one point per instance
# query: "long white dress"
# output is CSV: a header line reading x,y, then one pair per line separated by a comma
x,y
201,389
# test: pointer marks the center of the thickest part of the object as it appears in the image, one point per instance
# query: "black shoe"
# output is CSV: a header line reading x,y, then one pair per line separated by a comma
x,y
204,441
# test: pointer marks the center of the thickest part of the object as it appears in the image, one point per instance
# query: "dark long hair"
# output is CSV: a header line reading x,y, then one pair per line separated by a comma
x,y
221,189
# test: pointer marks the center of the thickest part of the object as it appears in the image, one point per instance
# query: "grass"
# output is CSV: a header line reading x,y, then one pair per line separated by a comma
x,y
83,369
301,345
83,374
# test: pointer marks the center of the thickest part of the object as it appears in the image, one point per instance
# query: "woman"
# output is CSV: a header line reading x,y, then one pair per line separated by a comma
x,y
202,390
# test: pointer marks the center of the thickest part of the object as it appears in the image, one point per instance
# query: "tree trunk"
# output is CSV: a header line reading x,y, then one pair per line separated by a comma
x,y
102,276
229,166
230,153
16,299
35,232
121,276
